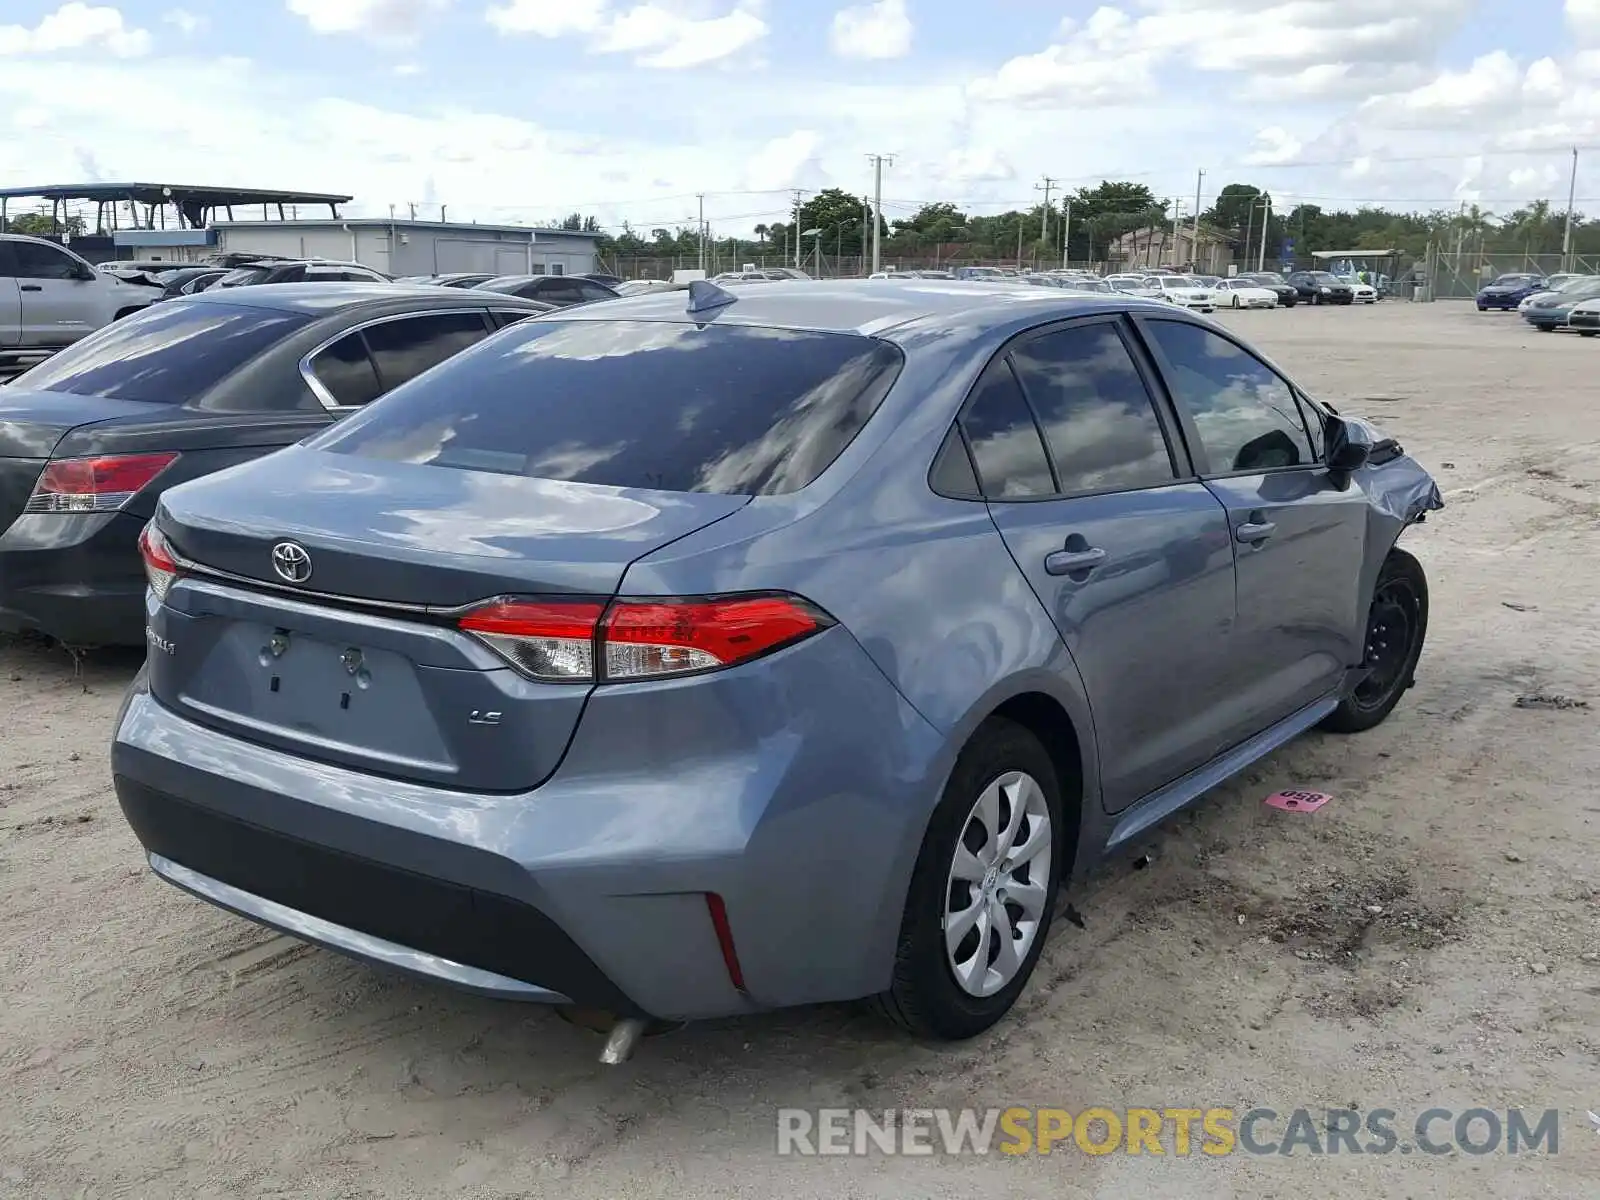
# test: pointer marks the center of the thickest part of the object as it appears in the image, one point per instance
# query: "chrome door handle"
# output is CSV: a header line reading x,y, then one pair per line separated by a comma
x,y
1069,562
1255,531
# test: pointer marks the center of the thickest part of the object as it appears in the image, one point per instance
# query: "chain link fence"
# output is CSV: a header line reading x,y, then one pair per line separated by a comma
x,y
1457,274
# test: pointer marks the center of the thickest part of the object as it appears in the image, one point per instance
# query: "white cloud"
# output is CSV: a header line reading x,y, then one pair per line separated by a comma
x,y
1492,81
381,20
1274,146
76,26
659,33
1102,62
781,162
1319,47
549,18
881,30
1584,18
184,21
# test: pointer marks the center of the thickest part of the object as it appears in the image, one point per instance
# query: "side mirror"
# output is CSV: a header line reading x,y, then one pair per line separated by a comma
x,y
86,275
1344,454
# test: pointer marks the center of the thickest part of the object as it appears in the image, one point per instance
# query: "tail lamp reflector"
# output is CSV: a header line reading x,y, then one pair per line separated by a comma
x,y
95,485
587,641
160,564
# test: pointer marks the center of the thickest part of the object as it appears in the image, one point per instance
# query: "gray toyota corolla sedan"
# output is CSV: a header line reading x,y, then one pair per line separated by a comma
x,y
700,653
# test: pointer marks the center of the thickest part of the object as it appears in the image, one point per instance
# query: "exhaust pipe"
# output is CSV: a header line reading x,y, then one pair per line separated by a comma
x,y
624,1036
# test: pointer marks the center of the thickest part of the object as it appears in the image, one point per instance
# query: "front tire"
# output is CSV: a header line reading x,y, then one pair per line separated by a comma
x,y
983,890
1397,626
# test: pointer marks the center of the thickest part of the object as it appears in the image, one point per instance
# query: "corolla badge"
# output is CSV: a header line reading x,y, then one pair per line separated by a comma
x,y
291,562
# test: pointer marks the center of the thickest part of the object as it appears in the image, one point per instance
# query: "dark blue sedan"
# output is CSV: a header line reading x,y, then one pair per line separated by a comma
x,y
1508,291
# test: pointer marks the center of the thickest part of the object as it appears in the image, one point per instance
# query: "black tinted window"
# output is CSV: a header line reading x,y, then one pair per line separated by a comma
x,y
628,404
33,261
1246,415
1098,418
1005,442
169,353
593,291
345,369
556,291
952,473
404,349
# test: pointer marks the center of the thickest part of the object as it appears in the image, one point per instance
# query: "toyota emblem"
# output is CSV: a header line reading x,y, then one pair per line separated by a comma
x,y
291,562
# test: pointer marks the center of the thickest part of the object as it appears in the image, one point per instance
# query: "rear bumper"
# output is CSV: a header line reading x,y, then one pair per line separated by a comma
x,y
803,812
75,578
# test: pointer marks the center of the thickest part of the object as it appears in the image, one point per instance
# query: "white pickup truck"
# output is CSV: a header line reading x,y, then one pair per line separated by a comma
x,y
49,298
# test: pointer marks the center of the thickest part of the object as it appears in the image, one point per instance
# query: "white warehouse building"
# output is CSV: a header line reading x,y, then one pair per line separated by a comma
x,y
405,247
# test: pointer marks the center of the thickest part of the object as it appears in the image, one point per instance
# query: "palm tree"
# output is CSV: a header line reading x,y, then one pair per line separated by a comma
x,y
761,234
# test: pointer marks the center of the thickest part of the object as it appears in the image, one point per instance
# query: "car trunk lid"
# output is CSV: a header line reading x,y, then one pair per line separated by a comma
x,y
32,424
361,664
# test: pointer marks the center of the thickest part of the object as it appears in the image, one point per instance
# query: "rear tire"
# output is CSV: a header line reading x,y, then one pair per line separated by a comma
x,y
1397,627
1587,332
955,873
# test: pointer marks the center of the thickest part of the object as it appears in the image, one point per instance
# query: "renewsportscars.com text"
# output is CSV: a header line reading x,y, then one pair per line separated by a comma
x,y
1175,1131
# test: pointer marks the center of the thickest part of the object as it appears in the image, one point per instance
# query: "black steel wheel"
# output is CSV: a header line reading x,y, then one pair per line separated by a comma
x,y
1397,626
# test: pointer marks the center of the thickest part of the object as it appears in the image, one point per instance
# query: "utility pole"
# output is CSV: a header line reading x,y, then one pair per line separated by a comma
x,y
1177,211
1266,219
1044,213
1572,193
796,229
877,207
1194,249
1066,229
866,213
700,228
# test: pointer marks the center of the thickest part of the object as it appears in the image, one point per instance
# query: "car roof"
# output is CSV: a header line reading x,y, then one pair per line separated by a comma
x,y
851,306
319,299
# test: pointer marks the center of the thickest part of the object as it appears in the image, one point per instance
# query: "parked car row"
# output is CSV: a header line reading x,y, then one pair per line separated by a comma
x,y
90,438
564,671
1548,303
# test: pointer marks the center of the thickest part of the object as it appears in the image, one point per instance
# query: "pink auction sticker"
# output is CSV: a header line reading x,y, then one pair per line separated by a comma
x,y
1298,801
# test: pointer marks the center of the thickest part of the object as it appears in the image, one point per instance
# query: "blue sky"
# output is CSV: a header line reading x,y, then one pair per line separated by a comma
x,y
521,110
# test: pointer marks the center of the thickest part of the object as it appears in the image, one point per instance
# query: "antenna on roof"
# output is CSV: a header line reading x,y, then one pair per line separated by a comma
x,y
705,296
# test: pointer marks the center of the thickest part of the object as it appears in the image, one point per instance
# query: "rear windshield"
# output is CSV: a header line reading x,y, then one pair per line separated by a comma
x,y
169,353
683,408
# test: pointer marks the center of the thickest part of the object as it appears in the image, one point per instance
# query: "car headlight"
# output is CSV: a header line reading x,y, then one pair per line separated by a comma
x,y
1326,290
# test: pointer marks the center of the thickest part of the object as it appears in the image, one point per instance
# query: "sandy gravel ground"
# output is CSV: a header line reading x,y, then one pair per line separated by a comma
x,y
1430,938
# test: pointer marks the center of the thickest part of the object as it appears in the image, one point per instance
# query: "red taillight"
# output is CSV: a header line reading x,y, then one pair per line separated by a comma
x,y
89,485
587,641
160,564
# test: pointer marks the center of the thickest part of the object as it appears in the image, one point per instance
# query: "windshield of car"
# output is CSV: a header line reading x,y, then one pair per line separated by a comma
x,y
1324,278
1263,277
167,354
674,407
505,283
1516,280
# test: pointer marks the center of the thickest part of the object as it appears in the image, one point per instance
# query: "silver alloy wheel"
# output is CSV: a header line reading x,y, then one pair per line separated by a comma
x,y
998,883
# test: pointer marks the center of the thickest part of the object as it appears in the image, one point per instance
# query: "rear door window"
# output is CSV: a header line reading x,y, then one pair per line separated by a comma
x,y
674,407
403,349
168,353
346,372
1006,448
1098,418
